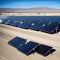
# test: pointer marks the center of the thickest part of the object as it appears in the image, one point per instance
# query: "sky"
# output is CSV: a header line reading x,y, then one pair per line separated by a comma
x,y
29,3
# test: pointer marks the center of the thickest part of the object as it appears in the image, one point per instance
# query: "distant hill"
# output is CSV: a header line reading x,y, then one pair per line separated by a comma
x,y
41,9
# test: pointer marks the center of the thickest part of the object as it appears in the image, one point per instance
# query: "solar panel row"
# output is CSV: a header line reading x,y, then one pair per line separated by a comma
x,y
30,46
43,23
46,26
34,18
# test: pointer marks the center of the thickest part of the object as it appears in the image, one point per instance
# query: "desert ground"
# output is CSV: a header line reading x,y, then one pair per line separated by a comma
x,y
7,52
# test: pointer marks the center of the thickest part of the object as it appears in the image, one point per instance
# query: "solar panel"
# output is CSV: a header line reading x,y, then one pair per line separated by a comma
x,y
44,22
27,48
50,27
34,26
59,27
8,22
27,20
24,25
16,41
0,20
32,18
15,24
3,21
43,49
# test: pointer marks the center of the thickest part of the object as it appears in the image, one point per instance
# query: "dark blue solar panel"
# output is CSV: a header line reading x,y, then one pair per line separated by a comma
x,y
9,22
43,49
44,22
33,18
16,41
3,21
59,27
27,48
14,18
34,26
15,24
24,25
50,27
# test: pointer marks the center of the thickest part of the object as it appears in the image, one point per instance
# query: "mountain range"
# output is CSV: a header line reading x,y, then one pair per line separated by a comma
x,y
31,10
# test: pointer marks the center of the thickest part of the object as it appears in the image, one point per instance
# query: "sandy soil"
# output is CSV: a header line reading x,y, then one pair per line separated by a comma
x,y
8,52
